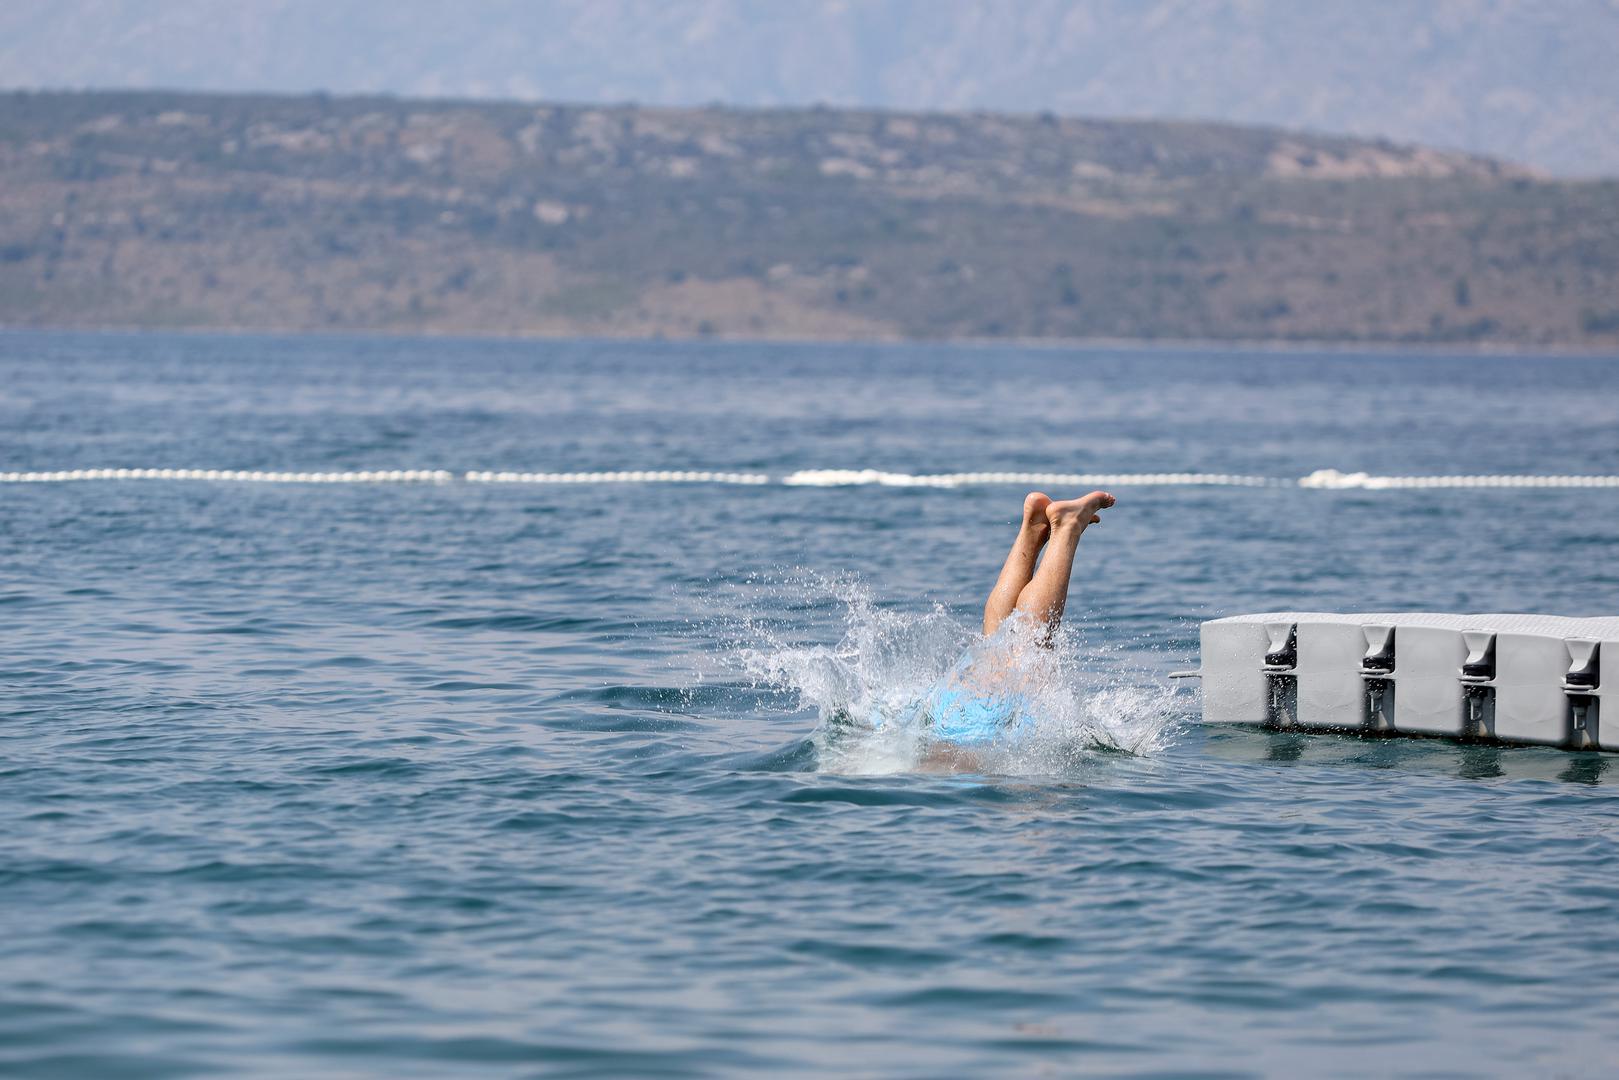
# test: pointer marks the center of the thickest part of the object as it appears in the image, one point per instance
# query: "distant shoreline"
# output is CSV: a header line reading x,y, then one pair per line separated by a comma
x,y
1144,345
396,216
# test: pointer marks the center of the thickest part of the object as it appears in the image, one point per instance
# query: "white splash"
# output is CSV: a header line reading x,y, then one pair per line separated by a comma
x,y
876,689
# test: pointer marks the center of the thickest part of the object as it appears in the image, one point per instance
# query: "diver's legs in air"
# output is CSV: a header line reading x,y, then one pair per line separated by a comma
x,y
1019,566
1046,594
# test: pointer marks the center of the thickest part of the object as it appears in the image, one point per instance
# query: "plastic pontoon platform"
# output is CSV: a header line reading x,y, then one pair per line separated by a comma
x,y
1528,679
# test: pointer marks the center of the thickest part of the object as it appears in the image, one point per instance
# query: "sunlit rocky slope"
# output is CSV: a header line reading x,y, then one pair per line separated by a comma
x,y
320,213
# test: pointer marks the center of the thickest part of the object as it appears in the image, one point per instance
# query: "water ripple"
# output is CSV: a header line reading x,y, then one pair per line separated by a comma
x,y
523,778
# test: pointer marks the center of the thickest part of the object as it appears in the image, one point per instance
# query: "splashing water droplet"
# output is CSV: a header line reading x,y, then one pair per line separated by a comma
x,y
902,691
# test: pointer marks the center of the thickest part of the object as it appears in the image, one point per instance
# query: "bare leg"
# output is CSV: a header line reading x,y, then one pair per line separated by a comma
x,y
944,758
1046,594
1019,566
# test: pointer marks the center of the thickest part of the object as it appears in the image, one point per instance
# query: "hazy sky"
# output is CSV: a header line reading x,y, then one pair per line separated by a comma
x,y
1533,80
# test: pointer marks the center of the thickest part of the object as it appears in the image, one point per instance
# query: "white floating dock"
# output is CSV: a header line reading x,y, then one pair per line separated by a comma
x,y
1529,679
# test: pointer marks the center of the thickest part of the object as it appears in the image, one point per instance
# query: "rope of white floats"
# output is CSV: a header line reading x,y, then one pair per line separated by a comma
x,y
635,477
1321,479
257,476
865,477
1333,480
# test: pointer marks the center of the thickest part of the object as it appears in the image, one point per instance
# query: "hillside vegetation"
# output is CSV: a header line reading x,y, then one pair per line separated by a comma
x,y
320,213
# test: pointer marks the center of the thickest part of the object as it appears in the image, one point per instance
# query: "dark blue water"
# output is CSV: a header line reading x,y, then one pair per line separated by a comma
x,y
462,779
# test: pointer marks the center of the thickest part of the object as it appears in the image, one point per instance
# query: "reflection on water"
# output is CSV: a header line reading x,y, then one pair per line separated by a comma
x,y
1469,761
1586,767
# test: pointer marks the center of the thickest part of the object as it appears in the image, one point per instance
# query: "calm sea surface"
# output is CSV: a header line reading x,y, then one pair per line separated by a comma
x,y
537,779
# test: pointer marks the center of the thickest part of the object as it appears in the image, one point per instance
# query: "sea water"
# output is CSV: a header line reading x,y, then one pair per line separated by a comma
x,y
425,774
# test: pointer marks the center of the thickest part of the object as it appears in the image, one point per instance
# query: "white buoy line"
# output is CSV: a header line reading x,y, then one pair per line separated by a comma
x,y
1333,480
862,477
634,477
1321,479
259,476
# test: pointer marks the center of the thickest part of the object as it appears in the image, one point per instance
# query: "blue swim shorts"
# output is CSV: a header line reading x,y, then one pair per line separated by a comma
x,y
967,719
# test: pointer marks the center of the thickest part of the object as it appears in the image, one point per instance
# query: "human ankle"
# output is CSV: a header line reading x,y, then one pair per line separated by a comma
x,y
1037,527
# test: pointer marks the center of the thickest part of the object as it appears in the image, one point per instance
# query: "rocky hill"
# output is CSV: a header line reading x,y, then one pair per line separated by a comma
x,y
1525,80
318,213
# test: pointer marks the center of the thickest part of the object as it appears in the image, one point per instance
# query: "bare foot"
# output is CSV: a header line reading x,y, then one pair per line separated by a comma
x,y
1034,513
1078,513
